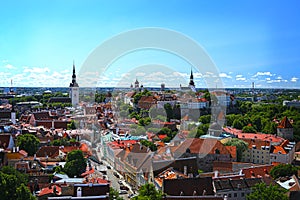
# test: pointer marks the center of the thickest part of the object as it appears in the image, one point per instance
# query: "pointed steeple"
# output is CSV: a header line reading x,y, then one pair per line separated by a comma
x,y
74,83
192,79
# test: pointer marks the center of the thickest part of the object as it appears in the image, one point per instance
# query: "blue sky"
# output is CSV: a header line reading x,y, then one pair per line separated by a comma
x,y
249,41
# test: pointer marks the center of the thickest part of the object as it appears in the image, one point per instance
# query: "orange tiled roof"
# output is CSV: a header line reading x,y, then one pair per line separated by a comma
x,y
285,123
259,136
257,171
280,148
202,146
161,137
232,150
49,190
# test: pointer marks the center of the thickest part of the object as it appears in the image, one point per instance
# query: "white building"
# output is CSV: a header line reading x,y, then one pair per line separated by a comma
x,y
74,89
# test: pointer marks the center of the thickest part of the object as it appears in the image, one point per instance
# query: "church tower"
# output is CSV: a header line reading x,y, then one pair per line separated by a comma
x,y
191,83
285,129
192,80
74,89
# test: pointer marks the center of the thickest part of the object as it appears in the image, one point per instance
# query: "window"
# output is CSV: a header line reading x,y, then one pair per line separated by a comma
x,y
229,195
243,194
235,194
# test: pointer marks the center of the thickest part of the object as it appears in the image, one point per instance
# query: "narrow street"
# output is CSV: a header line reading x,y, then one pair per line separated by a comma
x,y
114,181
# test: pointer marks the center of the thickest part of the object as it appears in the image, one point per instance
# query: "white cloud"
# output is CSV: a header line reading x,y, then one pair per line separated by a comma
x,y
241,79
263,74
36,70
239,76
140,74
197,75
224,75
294,79
9,66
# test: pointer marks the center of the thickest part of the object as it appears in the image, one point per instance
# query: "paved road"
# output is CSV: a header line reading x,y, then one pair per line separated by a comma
x,y
113,179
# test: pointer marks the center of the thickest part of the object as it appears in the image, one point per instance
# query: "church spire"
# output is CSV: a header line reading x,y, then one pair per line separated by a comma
x,y
74,83
192,79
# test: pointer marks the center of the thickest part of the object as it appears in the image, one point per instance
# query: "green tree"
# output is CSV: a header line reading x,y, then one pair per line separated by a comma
x,y
238,123
263,192
257,122
148,192
22,178
169,111
29,143
114,194
75,163
72,125
205,119
248,129
23,193
144,121
13,185
240,145
230,118
149,144
282,170
140,130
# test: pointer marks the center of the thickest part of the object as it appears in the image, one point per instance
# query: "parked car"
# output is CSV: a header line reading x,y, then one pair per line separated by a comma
x,y
131,196
123,192
123,187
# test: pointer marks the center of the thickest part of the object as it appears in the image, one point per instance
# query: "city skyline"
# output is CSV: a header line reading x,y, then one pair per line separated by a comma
x,y
249,42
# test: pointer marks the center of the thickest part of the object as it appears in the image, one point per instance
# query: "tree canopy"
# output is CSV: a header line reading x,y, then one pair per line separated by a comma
x,y
76,163
29,143
148,192
282,170
263,192
13,185
241,146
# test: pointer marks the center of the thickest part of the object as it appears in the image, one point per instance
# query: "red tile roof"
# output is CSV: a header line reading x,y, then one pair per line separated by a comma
x,y
121,144
202,146
285,123
259,136
257,171
280,148
162,136
49,190
50,151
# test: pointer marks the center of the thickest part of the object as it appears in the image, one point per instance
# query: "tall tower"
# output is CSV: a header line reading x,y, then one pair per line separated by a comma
x,y
285,129
74,89
136,84
191,83
192,79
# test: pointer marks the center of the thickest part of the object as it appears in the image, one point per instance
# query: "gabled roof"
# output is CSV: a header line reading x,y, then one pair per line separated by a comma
x,y
4,140
202,146
41,115
50,151
188,186
130,94
50,190
257,171
169,173
285,123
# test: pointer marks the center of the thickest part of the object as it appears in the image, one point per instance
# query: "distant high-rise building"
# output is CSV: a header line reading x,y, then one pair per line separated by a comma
x,y
162,87
74,89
